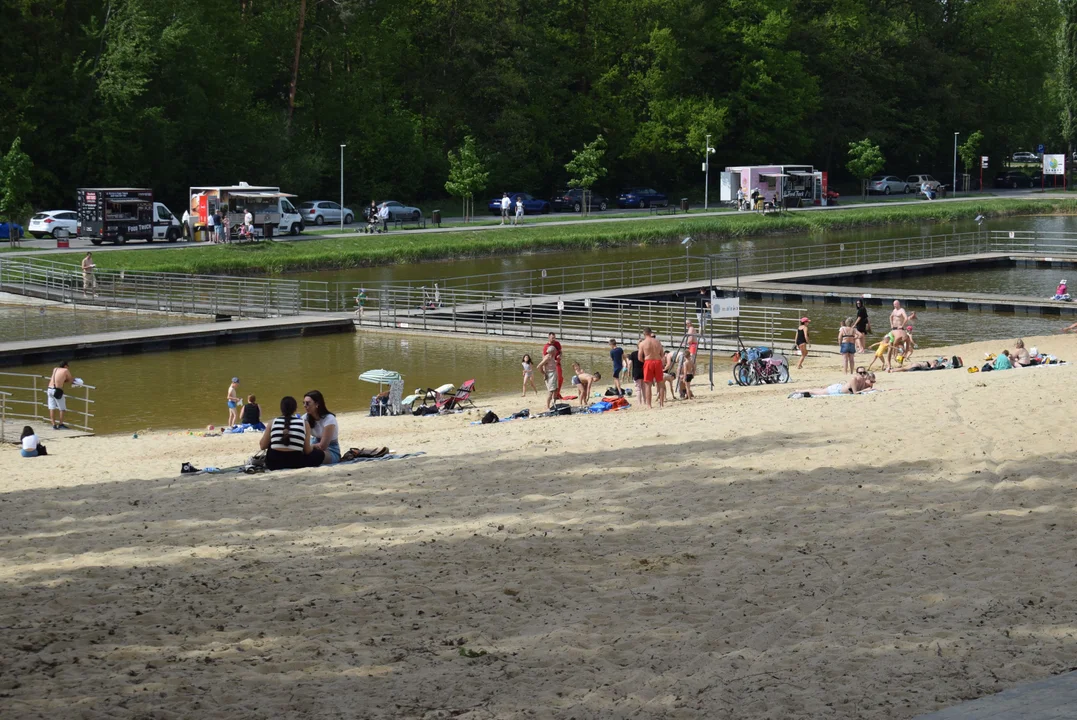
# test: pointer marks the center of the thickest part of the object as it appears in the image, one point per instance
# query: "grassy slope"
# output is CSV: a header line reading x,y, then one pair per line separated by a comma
x,y
364,250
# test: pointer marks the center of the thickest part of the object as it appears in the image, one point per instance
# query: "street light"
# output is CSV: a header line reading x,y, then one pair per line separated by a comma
x,y
342,146
955,163
707,169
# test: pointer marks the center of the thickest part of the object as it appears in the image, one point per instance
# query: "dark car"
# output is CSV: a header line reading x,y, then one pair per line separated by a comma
x,y
573,200
16,230
1013,179
642,197
532,205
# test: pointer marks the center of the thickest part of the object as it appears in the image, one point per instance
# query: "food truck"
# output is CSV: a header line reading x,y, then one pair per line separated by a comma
x,y
117,215
793,185
271,209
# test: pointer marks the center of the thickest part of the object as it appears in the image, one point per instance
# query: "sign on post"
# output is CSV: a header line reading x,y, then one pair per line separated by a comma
x,y
983,162
724,307
1054,164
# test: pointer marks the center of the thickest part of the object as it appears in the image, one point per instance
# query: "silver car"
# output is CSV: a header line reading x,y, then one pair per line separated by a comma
x,y
887,184
319,212
397,210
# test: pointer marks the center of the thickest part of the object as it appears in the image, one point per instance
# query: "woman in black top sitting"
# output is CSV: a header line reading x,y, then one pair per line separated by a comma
x,y
287,440
252,414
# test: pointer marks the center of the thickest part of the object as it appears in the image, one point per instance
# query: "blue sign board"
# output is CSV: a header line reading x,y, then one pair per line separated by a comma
x,y
1039,148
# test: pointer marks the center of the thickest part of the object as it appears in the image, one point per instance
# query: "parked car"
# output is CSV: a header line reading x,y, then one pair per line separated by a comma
x,y
532,205
319,212
51,222
572,199
1012,179
16,230
641,197
915,182
1037,180
1025,157
397,211
887,184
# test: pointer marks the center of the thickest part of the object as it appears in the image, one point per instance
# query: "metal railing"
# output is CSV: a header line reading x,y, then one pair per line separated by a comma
x,y
583,320
26,401
165,292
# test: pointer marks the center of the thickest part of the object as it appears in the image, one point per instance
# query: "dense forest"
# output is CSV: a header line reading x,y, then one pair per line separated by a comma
x,y
173,93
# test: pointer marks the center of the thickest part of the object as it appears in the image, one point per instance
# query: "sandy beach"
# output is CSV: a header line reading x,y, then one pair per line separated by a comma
x,y
743,555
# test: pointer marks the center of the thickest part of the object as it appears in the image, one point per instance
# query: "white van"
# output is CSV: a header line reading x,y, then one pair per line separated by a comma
x,y
272,209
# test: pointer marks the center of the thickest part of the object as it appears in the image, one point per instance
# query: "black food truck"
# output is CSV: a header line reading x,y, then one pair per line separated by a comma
x,y
117,215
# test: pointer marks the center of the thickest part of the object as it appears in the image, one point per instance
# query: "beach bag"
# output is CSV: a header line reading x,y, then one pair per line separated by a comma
x,y
425,410
562,409
618,403
58,393
611,392
489,418
956,362
987,367
525,413
41,450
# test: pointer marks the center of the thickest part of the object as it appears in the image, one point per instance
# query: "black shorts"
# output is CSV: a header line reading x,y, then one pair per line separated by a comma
x,y
689,377
617,373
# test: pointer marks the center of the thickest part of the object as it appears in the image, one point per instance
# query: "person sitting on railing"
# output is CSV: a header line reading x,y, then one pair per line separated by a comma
x,y
31,445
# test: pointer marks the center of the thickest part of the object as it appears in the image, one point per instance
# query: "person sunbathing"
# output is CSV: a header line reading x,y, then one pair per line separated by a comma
x,y
860,382
935,364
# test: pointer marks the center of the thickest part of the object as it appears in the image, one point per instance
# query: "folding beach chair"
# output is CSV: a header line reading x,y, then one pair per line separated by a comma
x,y
460,399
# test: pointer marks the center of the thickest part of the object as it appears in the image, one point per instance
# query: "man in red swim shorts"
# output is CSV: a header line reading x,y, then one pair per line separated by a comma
x,y
650,351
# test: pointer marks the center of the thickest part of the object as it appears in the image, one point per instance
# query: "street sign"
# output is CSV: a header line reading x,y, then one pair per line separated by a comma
x,y
983,162
1039,148
724,307
560,305
543,273
1054,164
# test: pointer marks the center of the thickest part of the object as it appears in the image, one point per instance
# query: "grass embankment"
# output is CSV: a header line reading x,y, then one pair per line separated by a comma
x,y
366,250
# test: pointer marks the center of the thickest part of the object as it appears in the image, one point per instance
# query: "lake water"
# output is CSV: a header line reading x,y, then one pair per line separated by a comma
x,y
19,322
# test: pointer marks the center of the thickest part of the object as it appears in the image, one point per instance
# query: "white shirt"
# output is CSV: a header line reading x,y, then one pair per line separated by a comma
x,y
383,214
506,203
318,429
248,219
30,442
519,207
210,220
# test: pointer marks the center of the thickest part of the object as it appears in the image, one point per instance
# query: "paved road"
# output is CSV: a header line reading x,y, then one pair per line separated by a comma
x,y
48,246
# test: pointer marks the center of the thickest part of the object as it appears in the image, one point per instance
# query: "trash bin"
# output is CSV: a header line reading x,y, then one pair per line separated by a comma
x,y
62,239
267,231
435,217
684,204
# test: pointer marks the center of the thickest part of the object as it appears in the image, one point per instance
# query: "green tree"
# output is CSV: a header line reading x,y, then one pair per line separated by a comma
x,y
586,168
467,175
969,151
1067,73
865,159
15,187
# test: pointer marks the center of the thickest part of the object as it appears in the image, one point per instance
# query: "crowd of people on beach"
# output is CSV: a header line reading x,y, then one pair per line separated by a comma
x,y
897,343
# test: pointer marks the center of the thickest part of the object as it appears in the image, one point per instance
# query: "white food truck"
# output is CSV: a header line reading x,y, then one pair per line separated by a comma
x,y
272,210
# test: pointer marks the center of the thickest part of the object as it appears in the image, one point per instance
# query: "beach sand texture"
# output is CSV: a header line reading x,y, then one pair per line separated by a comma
x,y
740,556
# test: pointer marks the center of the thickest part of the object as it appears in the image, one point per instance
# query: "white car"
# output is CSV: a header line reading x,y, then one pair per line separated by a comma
x,y
54,223
1025,157
319,212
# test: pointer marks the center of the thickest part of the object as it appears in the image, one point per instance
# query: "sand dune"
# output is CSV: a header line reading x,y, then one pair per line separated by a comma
x,y
740,556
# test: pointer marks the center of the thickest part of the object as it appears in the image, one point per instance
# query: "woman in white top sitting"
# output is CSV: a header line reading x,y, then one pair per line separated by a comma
x,y
286,440
324,429
30,443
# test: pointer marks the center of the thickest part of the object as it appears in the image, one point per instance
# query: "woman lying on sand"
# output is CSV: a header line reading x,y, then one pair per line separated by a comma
x,y
859,382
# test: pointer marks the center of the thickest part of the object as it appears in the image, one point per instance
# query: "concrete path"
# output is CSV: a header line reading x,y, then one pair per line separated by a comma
x,y
48,247
1051,699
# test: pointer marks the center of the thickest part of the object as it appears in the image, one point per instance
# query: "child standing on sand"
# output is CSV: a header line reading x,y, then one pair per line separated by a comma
x,y
529,374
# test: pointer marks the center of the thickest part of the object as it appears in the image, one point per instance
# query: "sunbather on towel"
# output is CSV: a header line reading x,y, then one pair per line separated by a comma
x,y
859,382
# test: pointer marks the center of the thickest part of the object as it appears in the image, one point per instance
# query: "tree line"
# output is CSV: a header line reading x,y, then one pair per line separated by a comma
x,y
170,93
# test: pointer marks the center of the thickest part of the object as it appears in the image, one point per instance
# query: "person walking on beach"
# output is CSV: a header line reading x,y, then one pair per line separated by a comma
x,y
233,401
549,369
617,355
803,340
529,374
519,219
506,205
651,353
847,339
552,343
89,282
57,403
863,326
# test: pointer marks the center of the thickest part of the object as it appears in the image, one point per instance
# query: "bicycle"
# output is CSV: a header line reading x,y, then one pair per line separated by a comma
x,y
759,366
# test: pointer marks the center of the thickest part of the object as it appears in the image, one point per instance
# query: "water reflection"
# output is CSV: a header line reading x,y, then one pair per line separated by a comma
x,y
23,322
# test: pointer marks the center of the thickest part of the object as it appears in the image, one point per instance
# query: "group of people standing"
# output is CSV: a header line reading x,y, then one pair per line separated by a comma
x,y
852,334
506,207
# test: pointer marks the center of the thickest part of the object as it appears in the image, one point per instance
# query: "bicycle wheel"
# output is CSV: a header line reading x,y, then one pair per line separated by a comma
x,y
755,375
783,373
741,374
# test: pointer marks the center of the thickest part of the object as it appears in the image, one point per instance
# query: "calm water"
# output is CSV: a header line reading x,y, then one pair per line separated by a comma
x,y
1029,282
186,388
52,321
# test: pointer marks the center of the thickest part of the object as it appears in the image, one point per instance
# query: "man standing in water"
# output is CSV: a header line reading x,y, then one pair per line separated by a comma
x,y
557,359
651,352
57,403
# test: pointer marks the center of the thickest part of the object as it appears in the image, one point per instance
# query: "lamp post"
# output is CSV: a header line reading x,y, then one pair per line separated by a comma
x,y
707,152
955,163
342,146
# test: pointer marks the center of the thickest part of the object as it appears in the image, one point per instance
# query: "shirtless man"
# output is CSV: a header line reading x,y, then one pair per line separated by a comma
x,y
687,374
692,338
898,318
651,351
584,382
552,343
548,368
233,402
61,376
89,282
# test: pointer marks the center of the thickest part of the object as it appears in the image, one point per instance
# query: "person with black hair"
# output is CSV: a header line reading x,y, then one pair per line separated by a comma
x,y
323,427
287,440
31,445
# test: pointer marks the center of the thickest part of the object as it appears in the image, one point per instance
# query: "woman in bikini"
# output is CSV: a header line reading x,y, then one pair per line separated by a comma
x,y
802,341
847,342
